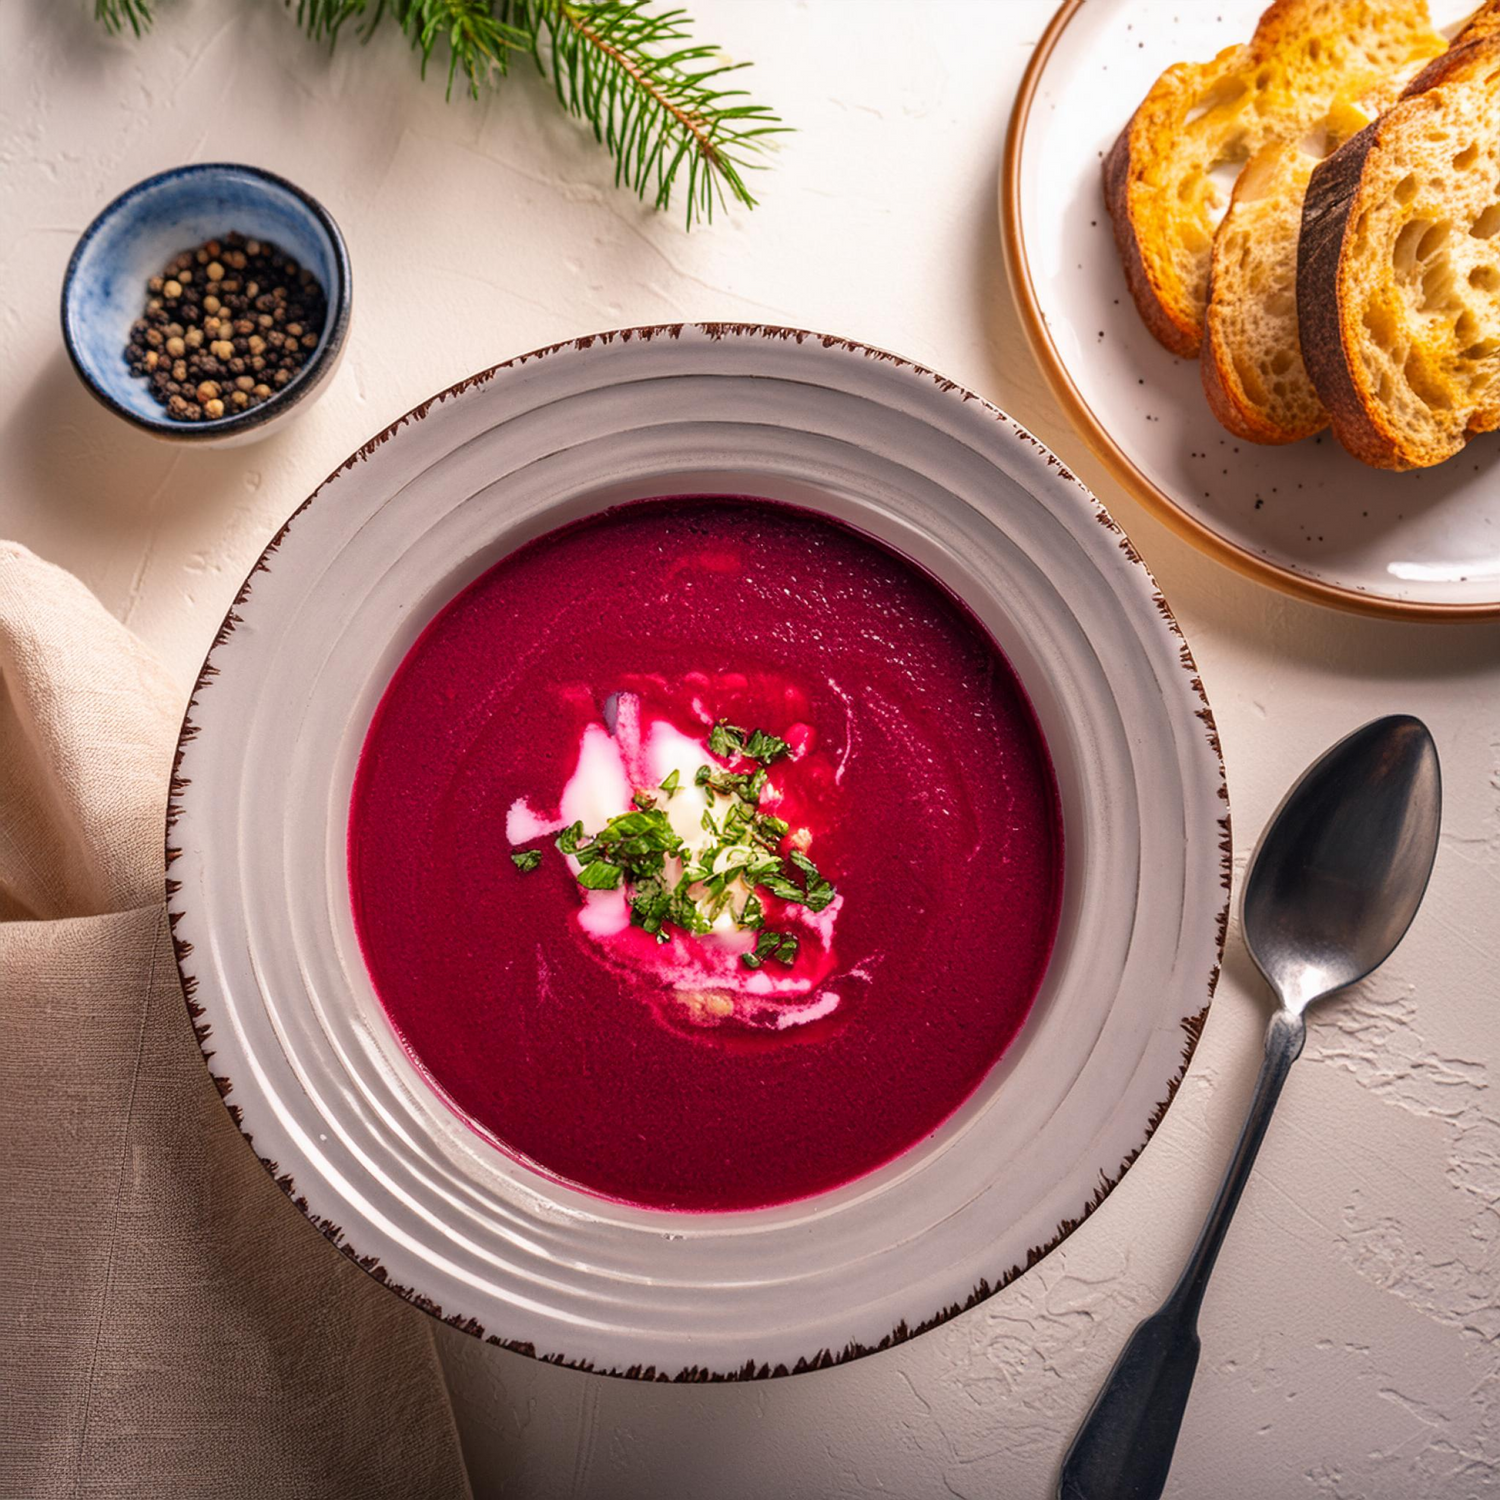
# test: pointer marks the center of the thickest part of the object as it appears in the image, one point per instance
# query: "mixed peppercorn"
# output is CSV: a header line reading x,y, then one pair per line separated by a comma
x,y
225,327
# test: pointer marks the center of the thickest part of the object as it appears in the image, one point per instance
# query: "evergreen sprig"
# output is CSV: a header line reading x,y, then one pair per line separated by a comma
x,y
654,105
656,100
118,14
479,42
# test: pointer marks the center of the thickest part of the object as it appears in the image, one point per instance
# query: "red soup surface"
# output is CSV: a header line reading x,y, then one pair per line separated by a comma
x,y
667,1066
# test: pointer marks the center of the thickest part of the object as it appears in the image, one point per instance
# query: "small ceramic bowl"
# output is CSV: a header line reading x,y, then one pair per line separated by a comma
x,y
104,289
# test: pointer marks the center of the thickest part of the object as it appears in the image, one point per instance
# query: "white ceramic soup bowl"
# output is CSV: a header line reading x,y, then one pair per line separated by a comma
x,y
309,1064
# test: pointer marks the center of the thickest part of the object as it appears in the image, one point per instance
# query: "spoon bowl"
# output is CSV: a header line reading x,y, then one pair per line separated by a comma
x,y
1342,867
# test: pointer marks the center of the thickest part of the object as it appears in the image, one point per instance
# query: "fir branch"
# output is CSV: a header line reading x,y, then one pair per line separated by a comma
x,y
477,40
322,19
655,100
118,14
653,107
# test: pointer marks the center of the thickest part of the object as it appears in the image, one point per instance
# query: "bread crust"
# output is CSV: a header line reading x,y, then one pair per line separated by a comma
x,y
1181,339
1321,321
1242,421
1469,49
1327,320
1484,22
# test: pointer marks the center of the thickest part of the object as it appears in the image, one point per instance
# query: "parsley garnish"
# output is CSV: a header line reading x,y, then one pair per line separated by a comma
x,y
770,830
600,875
819,891
650,906
784,889
765,945
728,741
640,834
744,853
779,946
725,741
766,748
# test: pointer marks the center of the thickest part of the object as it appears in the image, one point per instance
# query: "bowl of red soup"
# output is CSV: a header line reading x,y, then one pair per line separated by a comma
x,y
699,853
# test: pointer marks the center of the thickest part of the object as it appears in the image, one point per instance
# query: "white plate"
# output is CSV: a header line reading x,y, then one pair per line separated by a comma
x,y
260,908
1306,518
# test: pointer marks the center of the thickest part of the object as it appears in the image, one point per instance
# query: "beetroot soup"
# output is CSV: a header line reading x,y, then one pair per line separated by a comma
x,y
705,854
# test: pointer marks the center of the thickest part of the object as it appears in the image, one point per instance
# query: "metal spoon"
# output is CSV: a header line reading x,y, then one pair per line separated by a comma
x,y
1337,878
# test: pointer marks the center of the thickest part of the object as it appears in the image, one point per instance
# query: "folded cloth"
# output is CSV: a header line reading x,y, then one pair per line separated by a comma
x,y
169,1323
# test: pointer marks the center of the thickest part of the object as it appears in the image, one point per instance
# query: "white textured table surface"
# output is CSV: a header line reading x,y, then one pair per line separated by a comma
x,y
1352,1336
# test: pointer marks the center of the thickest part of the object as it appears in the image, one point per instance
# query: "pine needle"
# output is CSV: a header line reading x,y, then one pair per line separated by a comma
x,y
477,41
654,99
655,106
118,14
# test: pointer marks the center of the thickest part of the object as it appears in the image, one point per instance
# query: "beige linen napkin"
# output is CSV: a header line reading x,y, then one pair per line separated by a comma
x,y
169,1324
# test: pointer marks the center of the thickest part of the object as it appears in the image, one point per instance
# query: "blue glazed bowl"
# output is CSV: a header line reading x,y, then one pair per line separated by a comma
x,y
104,290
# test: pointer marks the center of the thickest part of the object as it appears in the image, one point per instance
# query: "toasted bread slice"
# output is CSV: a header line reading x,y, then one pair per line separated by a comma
x,y
1398,282
1253,374
1202,118
1484,22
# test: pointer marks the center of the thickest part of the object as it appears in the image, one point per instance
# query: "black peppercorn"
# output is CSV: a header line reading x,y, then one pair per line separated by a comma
x,y
208,318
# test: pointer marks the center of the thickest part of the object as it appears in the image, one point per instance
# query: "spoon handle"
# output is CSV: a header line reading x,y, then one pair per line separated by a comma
x,y
1123,1450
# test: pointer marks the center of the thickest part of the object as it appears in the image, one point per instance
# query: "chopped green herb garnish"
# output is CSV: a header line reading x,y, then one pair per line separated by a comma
x,y
645,822
639,840
778,946
600,876
765,864
784,889
730,784
685,912
765,945
817,893
728,741
766,748
770,830
733,858
650,906
742,857
725,741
